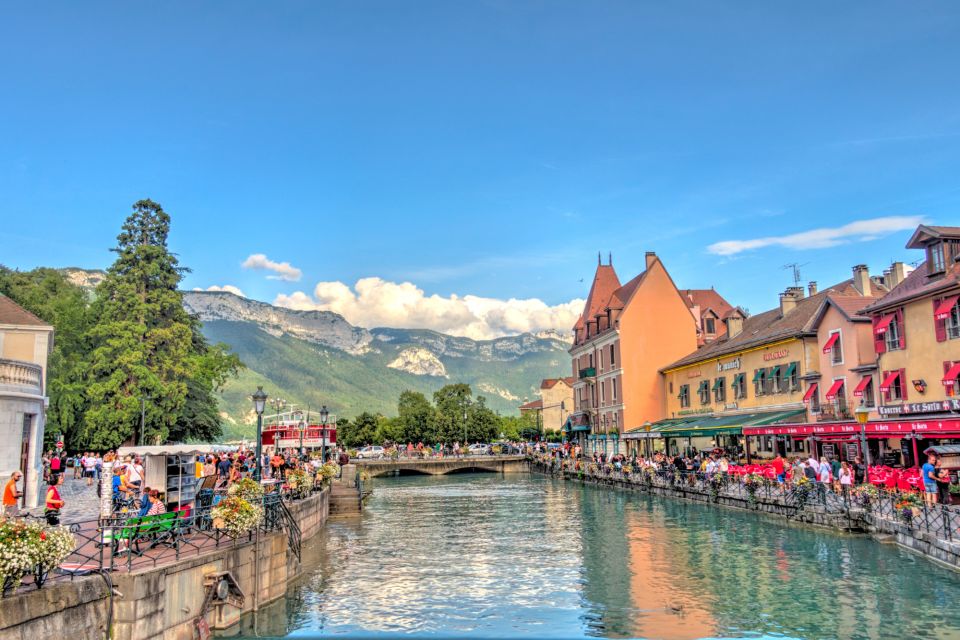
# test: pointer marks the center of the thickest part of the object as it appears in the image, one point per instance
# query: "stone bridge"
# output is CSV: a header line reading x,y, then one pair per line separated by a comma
x,y
442,466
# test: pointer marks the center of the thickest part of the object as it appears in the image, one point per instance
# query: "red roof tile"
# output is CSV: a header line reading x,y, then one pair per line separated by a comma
x,y
918,285
605,282
550,383
12,313
536,404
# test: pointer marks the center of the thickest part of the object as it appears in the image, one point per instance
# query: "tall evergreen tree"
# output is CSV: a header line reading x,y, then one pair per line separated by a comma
x,y
417,417
146,355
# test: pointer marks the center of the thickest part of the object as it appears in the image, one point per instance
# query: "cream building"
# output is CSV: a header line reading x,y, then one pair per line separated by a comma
x,y
25,343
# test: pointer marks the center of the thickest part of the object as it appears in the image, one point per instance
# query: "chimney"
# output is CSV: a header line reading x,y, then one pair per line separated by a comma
x,y
861,280
788,300
651,256
895,275
812,288
734,323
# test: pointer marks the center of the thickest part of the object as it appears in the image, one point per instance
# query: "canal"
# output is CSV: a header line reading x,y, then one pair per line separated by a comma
x,y
484,555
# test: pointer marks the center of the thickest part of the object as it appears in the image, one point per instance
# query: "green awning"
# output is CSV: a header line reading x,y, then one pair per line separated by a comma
x,y
791,369
758,376
703,385
714,425
717,383
775,371
738,379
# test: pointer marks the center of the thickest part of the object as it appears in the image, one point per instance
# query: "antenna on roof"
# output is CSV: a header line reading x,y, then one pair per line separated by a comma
x,y
599,260
796,271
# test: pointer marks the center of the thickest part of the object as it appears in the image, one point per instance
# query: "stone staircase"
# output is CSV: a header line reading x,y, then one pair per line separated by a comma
x,y
344,496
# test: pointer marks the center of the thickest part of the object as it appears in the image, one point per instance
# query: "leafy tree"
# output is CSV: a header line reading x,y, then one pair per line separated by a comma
x,y
417,417
389,430
144,346
453,403
50,296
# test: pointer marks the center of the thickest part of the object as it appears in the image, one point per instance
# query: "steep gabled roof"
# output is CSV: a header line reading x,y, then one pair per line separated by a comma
x,y
707,299
770,326
536,404
605,283
12,313
926,233
918,285
848,306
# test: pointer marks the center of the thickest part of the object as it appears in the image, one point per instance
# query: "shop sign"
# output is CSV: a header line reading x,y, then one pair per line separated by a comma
x,y
730,406
728,366
693,412
938,406
694,373
829,450
853,451
776,355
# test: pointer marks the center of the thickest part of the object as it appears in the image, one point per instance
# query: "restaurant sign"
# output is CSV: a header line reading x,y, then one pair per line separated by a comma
x,y
893,429
728,366
939,406
776,355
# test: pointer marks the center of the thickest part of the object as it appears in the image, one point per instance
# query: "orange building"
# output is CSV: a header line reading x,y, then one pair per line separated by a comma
x,y
625,335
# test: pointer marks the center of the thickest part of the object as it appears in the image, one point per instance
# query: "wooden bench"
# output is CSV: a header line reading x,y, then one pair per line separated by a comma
x,y
159,529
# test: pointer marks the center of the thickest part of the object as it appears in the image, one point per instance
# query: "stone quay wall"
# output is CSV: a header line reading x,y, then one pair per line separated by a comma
x,y
164,602
927,534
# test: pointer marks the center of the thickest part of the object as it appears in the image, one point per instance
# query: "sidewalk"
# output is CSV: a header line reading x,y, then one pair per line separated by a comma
x,y
81,502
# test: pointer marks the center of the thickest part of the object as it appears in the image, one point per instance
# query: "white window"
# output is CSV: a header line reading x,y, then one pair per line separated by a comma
x,y
613,387
953,322
893,335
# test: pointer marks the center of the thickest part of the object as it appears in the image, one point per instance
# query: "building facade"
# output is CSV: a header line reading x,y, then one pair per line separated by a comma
x,y
766,370
25,343
554,405
626,332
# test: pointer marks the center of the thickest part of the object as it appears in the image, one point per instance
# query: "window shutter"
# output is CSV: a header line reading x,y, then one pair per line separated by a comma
x,y
879,344
940,326
903,383
951,390
903,329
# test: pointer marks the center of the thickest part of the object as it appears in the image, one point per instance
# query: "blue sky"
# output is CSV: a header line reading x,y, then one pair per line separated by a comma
x,y
484,149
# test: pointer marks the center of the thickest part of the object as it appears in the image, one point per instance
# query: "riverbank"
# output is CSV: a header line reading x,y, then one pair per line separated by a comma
x,y
933,532
164,595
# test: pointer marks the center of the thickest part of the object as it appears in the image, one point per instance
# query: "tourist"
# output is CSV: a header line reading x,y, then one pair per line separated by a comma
x,y
777,465
77,465
825,474
156,505
12,495
55,467
276,466
54,502
845,477
814,464
45,460
99,466
223,467
808,470
134,474
90,468
145,503
929,474
943,483
859,471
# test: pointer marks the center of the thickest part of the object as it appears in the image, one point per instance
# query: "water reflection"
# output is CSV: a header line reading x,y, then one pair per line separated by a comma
x,y
492,556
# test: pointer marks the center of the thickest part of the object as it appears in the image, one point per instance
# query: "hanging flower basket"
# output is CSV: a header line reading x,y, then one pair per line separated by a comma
x,y
236,516
247,489
31,547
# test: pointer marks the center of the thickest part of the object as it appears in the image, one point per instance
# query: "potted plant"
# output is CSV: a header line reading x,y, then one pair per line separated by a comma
x,y
865,495
248,489
909,506
298,481
30,547
236,516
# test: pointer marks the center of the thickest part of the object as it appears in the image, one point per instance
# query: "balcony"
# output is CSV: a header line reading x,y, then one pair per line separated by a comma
x,y
589,372
23,377
832,413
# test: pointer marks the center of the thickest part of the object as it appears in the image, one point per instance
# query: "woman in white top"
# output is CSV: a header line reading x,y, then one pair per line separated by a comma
x,y
823,475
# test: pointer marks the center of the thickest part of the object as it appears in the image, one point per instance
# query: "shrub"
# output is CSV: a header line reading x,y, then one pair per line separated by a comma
x,y
236,516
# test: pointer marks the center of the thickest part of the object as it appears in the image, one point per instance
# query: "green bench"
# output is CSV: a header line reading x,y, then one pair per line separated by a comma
x,y
159,529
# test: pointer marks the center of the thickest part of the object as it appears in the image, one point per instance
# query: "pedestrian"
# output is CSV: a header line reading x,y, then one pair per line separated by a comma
x,y
54,502
77,465
777,465
859,471
55,465
929,474
90,468
12,495
145,503
846,476
825,475
156,504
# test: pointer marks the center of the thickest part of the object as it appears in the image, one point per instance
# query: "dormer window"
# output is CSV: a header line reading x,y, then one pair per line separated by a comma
x,y
711,325
935,259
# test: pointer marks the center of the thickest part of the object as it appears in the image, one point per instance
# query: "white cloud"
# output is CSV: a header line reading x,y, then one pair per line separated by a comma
x,y
229,288
374,302
859,231
283,270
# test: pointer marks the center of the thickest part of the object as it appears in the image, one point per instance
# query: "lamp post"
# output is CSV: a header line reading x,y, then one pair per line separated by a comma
x,y
464,426
324,414
862,413
259,404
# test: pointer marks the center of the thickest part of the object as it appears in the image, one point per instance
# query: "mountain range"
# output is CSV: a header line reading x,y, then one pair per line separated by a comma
x,y
315,358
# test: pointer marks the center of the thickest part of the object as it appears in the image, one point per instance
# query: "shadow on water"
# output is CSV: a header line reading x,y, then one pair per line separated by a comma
x,y
525,556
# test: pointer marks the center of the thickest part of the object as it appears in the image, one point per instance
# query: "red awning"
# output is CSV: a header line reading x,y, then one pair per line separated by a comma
x,y
832,341
888,381
950,377
943,310
834,389
809,394
864,381
933,428
881,327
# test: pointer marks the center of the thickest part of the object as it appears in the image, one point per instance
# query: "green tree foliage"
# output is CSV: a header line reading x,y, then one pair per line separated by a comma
x,y
358,432
145,347
417,417
453,403
47,294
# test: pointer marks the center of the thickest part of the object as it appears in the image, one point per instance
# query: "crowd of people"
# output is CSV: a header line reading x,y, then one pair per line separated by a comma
x,y
827,472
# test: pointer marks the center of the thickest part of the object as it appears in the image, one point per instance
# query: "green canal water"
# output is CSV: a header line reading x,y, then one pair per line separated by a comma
x,y
478,555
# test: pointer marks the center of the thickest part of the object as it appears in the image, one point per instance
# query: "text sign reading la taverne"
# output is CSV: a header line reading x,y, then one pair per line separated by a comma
x,y
938,406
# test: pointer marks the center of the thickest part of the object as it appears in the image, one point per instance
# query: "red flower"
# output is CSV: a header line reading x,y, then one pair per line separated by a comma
x,y
43,535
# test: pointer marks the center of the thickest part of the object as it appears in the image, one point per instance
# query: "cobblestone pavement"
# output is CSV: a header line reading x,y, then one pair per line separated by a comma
x,y
81,502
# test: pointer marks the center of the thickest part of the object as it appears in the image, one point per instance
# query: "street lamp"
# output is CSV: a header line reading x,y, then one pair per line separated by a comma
x,y
464,426
324,414
863,413
259,404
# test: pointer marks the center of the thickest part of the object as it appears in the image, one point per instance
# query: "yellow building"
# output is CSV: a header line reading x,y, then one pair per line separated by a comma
x,y
554,405
916,331
25,342
761,372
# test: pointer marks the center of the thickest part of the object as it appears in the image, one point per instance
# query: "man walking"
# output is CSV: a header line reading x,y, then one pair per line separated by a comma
x,y
12,495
